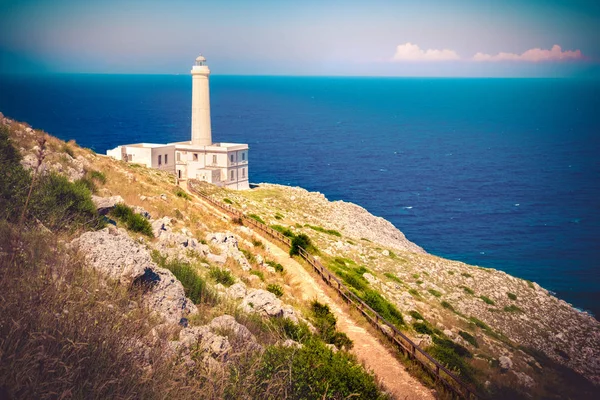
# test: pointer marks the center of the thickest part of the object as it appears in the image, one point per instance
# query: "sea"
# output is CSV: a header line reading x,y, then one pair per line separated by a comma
x,y
500,173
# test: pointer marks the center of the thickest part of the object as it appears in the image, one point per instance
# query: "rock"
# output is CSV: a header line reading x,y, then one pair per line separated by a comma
x,y
114,254
385,253
449,333
226,323
332,347
163,197
259,260
370,278
141,211
217,259
423,340
266,303
524,379
292,343
505,363
105,204
236,291
202,339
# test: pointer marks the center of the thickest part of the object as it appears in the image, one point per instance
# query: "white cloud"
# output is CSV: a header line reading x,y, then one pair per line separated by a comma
x,y
533,55
412,52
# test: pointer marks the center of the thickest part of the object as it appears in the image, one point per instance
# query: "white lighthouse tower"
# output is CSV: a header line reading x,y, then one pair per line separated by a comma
x,y
222,164
201,133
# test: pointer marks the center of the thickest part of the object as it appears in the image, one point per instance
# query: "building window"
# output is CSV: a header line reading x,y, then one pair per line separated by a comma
x,y
232,175
129,157
178,155
166,159
195,156
243,172
214,158
243,156
231,157
159,159
179,172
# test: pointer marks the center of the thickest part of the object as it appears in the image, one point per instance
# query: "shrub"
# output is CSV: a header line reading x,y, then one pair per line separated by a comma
x,y
257,243
325,324
435,292
419,282
278,267
414,292
445,351
323,230
97,176
134,222
511,296
88,183
276,289
469,338
278,216
222,276
416,276
354,280
416,315
450,272
467,275
226,200
249,256
302,241
256,218
60,204
530,284
480,323
487,300
14,179
182,194
468,290
386,309
283,230
313,371
422,328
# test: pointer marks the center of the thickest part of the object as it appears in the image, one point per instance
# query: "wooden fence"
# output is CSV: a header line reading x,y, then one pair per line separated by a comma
x,y
439,372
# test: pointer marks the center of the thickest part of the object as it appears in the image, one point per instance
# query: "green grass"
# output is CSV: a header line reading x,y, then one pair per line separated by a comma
x,y
182,194
530,284
487,300
468,290
416,276
259,274
450,272
249,256
454,357
467,275
278,267
386,309
435,292
228,201
222,276
134,222
414,292
393,277
416,315
323,230
256,218
278,216
193,284
511,296
276,289
283,230
325,323
419,282
447,305
468,338
422,328
512,308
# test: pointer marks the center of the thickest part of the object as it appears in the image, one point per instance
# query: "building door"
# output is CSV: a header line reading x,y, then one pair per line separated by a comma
x,y
179,172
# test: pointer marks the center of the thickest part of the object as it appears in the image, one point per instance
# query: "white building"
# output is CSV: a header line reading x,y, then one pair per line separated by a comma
x,y
222,164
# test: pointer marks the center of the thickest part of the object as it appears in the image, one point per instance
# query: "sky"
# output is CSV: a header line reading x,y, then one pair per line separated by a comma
x,y
462,38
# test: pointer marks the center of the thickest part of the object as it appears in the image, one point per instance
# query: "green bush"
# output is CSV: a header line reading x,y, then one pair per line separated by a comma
x,y
416,315
283,230
354,280
445,351
256,218
314,372
467,275
278,267
222,276
414,292
60,204
181,193
422,328
435,292
487,300
134,222
249,256
88,183
226,200
97,176
469,338
288,329
278,216
386,309
511,296
447,305
302,241
480,323
276,289
325,323
14,179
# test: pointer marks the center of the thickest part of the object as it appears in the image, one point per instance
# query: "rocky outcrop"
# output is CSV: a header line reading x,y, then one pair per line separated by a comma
x,y
113,253
266,303
105,204
228,244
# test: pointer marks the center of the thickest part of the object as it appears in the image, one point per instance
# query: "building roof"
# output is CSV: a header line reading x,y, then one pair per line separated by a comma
x,y
200,58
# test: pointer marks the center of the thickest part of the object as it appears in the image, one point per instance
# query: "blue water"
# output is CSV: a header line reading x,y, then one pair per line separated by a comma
x,y
503,173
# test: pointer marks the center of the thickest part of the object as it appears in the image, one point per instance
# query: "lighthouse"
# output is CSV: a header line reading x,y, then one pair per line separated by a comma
x,y
201,133
222,164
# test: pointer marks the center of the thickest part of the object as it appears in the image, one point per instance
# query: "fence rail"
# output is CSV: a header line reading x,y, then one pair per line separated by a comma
x,y
438,371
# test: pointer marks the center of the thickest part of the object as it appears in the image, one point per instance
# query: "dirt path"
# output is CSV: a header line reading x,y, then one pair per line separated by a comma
x,y
367,348
374,356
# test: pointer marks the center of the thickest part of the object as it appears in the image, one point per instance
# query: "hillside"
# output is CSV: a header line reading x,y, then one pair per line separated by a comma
x,y
218,311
